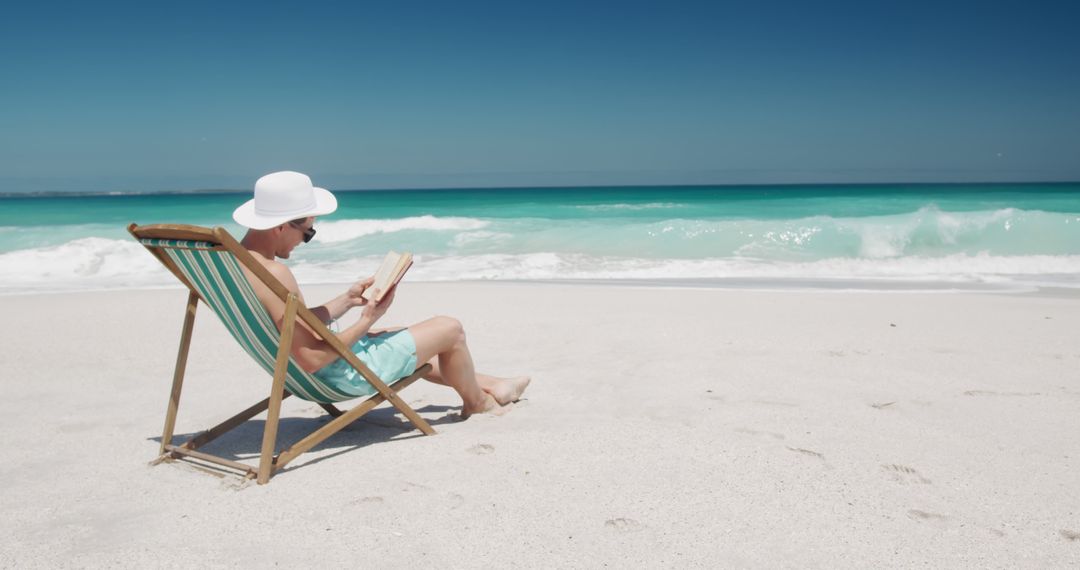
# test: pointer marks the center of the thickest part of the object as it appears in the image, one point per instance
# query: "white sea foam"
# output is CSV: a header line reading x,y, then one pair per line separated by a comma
x,y
87,263
345,230
95,263
1006,245
959,268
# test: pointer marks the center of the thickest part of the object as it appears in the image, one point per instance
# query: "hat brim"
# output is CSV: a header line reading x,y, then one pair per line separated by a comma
x,y
245,215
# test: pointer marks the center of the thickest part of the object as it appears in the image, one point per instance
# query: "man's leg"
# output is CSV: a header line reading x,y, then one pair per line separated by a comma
x,y
443,338
505,390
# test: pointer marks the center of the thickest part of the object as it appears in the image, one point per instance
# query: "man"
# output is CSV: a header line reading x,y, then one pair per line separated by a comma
x,y
279,218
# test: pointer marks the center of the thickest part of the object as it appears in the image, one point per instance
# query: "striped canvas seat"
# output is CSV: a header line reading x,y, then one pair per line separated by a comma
x,y
222,285
215,267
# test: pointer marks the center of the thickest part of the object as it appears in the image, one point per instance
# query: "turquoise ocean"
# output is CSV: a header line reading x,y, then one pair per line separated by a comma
x,y
999,236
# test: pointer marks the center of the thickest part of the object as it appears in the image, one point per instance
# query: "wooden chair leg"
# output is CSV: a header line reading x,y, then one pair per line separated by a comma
x,y
332,410
178,373
337,424
281,369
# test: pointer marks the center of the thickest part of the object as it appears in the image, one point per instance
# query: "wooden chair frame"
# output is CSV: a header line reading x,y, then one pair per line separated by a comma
x,y
269,462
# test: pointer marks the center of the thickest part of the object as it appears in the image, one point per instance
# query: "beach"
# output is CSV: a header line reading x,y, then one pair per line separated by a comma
x,y
789,285
665,427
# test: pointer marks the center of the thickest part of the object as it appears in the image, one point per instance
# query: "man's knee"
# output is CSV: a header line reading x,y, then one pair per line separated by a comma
x,y
453,329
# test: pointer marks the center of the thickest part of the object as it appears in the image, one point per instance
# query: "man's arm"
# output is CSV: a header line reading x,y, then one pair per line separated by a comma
x,y
309,349
338,306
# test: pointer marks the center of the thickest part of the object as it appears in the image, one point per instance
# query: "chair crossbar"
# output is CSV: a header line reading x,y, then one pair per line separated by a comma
x,y
247,469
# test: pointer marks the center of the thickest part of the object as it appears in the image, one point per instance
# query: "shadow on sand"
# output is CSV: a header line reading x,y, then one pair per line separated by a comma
x,y
377,426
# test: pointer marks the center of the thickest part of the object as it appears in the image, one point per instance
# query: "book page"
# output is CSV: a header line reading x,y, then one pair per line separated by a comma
x,y
384,276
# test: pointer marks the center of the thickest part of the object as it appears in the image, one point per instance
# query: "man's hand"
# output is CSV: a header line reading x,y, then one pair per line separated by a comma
x,y
374,310
355,293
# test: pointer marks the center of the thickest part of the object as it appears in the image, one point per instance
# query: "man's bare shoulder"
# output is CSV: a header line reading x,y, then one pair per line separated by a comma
x,y
280,271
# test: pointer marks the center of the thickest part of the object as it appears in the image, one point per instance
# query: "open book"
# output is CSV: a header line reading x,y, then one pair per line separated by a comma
x,y
393,267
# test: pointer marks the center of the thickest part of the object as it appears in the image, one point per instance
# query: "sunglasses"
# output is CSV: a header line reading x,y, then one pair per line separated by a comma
x,y
308,232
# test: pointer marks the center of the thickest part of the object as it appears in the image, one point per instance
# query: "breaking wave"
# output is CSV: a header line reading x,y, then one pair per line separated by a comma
x,y
1005,245
345,230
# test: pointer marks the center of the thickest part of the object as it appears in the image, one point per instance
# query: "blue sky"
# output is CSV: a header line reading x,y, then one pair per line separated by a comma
x,y
155,96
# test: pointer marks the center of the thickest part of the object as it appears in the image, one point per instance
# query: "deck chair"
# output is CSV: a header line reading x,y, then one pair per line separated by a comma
x,y
208,262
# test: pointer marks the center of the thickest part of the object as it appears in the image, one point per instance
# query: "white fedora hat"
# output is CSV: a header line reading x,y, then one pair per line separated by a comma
x,y
281,197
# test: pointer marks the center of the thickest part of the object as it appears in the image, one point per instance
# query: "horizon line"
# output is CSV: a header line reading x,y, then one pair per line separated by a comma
x,y
106,193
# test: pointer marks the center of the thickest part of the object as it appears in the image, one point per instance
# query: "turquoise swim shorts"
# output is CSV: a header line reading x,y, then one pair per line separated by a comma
x,y
390,355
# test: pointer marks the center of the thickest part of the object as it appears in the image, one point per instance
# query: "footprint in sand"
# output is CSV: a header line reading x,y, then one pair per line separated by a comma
x,y
481,449
776,403
811,453
771,434
623,525
1070,535
918,515
904,474
841,353
232,484
881,405
992,393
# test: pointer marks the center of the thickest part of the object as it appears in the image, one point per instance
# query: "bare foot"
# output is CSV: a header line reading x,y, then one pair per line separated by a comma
x,y
490,406
509,389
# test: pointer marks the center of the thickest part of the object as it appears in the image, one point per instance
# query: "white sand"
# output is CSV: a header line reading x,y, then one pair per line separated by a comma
x,y
664,428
